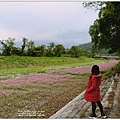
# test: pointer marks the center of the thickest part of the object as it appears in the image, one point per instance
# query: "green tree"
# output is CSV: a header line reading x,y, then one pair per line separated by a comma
x,y
59,50
31,48
105,30
25,40
8,46
40,50
16,51
50,51
75,51
94,5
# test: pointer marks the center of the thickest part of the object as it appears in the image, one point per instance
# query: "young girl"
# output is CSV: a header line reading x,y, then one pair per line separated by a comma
x,y
92,93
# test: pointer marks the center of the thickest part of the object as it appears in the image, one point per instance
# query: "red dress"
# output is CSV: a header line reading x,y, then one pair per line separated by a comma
x,y
92,93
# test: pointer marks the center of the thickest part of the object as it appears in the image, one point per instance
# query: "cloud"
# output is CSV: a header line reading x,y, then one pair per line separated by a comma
x,y
46,21
47,35
71,38
67,38
5,34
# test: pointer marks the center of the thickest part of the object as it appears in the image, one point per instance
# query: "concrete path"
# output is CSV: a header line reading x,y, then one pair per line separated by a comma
x,y
79,108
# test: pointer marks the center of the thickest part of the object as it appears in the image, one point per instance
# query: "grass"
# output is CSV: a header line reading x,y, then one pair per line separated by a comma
x,y
26,65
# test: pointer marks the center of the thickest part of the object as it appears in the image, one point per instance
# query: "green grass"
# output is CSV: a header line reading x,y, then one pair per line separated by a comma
x,y
26,65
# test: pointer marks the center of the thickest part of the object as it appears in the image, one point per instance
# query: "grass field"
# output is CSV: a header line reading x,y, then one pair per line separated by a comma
x,y
40,93
25,65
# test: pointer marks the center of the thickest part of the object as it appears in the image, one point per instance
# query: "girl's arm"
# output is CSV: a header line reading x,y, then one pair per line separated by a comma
x,y
93,86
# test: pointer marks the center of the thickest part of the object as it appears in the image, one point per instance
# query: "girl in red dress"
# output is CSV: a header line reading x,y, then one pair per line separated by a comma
x,y
92,93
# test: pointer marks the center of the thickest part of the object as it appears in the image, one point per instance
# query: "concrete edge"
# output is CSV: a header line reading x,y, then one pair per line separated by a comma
x,y
67,105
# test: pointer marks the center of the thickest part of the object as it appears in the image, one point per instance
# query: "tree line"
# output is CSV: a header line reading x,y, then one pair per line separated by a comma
x,y
28,48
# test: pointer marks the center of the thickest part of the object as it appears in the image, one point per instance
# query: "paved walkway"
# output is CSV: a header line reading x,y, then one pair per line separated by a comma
x,y
79,108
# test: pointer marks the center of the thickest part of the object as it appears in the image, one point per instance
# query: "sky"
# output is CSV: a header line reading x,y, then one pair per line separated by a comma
x,y
64,23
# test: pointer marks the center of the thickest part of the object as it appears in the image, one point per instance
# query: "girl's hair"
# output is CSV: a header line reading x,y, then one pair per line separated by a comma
x,y
95,69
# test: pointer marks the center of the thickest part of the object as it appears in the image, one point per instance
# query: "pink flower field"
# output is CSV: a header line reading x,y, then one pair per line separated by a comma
x,y
48,78
32,78
86,69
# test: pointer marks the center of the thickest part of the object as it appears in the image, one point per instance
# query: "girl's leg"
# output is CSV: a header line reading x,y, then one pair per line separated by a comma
x,y
93,108
100,107
93,115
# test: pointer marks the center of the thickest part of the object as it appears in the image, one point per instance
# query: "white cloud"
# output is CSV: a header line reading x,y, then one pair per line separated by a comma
x,y
44,20
47,35
5,34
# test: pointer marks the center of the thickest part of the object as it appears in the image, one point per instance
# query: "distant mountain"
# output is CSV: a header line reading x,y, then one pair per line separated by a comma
x,y
86,46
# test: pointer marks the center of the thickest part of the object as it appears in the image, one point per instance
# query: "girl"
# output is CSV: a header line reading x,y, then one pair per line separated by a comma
x,y
92,93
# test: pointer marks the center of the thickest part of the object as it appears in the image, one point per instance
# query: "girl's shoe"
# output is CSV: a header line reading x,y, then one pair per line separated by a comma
x,y
103,116
92,116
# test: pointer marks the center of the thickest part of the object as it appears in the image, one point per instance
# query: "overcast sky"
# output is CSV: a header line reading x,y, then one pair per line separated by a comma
x,y
64,23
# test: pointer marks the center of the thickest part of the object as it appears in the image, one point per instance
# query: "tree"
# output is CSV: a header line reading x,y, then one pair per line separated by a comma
x,y
25,40
59,50
40,50
16,51
50,51
8,46
31,48
105,30
75,51
94,5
